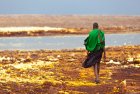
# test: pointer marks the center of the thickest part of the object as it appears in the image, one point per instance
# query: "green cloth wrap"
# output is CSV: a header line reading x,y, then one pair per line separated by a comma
x,y
94,41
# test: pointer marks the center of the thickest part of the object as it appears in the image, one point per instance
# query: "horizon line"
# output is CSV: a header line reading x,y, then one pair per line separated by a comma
x,y
72,14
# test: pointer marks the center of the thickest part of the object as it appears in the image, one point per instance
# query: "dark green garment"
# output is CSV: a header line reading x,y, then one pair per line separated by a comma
x,y
95,41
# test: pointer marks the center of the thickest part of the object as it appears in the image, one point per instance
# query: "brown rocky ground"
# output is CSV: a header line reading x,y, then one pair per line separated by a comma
x,y
60,72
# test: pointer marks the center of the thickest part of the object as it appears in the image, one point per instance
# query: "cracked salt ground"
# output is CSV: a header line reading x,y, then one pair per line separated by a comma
x,y
35,76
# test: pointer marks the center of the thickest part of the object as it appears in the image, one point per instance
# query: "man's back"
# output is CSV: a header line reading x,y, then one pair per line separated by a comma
x,y
94,41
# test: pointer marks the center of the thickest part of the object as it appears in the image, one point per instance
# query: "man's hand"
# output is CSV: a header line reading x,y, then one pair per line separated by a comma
x,y
87,53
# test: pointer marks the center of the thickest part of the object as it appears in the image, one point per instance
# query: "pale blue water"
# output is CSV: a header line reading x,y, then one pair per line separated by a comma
x,y
63,42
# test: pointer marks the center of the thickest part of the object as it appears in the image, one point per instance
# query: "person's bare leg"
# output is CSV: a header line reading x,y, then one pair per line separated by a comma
x,y
98,68
96,73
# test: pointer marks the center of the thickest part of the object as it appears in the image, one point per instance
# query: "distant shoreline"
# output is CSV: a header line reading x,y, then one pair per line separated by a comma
x,y
43,34
72,24
30,32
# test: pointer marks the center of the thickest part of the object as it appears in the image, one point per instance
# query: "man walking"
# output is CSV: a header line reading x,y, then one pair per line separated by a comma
x,y
95,46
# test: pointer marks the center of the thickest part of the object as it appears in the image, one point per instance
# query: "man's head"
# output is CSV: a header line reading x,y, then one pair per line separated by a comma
x,y
95,25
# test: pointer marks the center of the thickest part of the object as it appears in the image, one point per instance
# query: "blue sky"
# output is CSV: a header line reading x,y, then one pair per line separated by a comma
x,y
93,7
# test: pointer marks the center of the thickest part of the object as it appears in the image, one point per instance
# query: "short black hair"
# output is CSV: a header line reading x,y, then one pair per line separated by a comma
x,y
95,25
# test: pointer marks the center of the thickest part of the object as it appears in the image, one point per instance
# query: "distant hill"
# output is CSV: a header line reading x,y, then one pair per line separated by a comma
x,y
73,23
68,21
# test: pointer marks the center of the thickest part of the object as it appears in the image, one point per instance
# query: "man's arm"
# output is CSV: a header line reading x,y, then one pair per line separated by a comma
x,y
104,55
104,51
